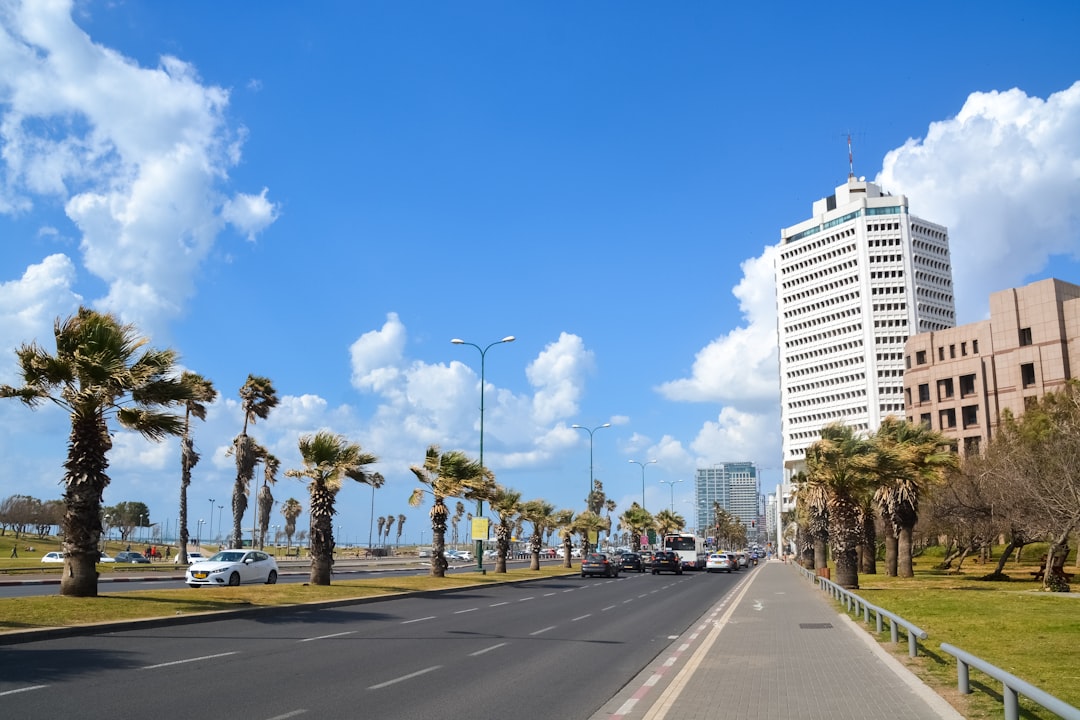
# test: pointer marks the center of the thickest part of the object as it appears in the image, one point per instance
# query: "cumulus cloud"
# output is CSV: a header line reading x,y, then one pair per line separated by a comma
x,y
136,155
30,305
558,375
1004,176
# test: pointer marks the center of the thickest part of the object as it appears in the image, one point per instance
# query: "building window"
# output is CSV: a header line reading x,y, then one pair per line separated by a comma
x,y
1025,336
963,349
970,416
944,389
924,420
971,445
967,385
1027,374
952,352
947,419
941,353
975,347
924,392
920,357
1030,401
907,396
907,362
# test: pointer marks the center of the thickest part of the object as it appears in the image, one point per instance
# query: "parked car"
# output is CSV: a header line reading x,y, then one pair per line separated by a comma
x,y
666,561
105,558
599,564
129,556
574,553
631,562
718,562
459,556
192,557
233,567
53,557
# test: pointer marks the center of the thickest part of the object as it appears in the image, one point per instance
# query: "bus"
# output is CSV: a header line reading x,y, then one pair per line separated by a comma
x,y
689,547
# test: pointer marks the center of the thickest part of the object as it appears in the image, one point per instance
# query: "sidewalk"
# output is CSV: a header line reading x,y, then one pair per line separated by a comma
x,y
776,649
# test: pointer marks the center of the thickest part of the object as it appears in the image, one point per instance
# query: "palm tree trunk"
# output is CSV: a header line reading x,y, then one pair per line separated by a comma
x,y
322,534
439,513
502,542
845,533
84,482
821,555
891,548
535,547
905,566
868,551
566,551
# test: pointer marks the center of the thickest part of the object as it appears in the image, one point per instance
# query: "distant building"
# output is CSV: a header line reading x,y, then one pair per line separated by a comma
x,y
853,282
959,381
735,487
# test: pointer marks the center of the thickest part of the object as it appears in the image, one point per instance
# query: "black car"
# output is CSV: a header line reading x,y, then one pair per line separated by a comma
x,y
665,561
599,564
129,556
631,562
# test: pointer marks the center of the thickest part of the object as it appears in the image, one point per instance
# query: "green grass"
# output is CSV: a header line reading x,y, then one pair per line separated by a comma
x,y
1011,623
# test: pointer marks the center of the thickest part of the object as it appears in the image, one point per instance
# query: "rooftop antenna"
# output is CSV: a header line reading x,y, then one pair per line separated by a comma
x,y
850,159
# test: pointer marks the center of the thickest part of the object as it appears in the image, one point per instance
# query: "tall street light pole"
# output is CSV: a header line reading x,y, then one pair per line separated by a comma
x,y
211,534
479,502
219,509
643,464
672,484
590,431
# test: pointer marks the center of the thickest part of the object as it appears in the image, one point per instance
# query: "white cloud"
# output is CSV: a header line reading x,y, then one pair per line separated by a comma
x,y
558,375
30,305
1004,177
136,155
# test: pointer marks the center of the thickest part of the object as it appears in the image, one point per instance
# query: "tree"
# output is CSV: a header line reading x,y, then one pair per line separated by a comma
x,y
389,524
400,527
541,515
836,465
328,460
506,504
911,460
127,516
637,521
290,510
257,399
201,391
266,498
101,372
589,524
459,512
609,507
446,475
566,524
667,521
381,523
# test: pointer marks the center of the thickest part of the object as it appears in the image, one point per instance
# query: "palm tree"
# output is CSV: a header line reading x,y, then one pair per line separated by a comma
x,y
445,475
381,523
400,527
669,522
912,459
202,392
565,522
100,372
328,460
541,515
589,525
506,504
389,524
637,521
266,498
257,399
291,510
838,465
459,512
609,506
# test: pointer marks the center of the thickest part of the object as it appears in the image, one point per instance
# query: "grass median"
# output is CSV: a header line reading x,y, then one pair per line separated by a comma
x,y
1009,623
49,611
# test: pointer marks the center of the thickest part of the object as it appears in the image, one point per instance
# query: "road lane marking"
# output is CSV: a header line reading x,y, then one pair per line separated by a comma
x,y
462,612
287,715
189,660
544,630
581,617
429,617
507,602
486,650
403,678
548,594
25,689
528,598
609,607
324,637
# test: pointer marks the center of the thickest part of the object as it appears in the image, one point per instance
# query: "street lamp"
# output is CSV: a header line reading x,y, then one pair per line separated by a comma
x,y
219,509
107,518
590,431
643,464
143,519
672,484
211,533
198,535
480,502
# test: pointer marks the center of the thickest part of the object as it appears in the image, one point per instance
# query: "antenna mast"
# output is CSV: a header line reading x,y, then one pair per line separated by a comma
x,y
850,159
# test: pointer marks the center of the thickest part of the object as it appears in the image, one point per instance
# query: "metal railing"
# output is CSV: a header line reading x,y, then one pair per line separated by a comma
x,y
1012,686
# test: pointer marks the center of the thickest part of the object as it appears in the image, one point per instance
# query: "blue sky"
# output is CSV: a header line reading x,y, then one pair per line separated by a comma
x,y
327,193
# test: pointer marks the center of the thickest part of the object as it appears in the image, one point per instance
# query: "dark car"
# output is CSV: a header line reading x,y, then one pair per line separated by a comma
x,y
129,556
665,561
599,564
646,560
631,562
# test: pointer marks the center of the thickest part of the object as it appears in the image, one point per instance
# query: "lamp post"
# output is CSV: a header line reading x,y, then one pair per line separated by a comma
x,y
211,533
107,517
198,535
479,502
219,509
672,484
142,521
590,431
643,464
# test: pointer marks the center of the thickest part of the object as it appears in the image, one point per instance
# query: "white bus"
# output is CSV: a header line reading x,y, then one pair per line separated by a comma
x,y
689,547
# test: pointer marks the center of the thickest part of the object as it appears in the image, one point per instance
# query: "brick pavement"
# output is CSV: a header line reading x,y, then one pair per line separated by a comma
x,y
775,649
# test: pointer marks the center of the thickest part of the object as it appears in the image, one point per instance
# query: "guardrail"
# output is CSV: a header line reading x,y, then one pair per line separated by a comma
x,y
1012,686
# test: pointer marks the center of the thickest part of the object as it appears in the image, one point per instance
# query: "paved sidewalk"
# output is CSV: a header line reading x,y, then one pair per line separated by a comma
x,y
776,649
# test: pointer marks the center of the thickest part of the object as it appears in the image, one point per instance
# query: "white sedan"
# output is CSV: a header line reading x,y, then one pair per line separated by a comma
x,y
718,562
233,567
53,557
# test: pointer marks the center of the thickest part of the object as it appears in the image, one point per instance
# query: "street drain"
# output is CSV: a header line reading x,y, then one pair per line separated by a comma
x,y
815,626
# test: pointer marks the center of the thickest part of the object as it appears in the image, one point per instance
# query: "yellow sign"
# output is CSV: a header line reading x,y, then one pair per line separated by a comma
x,y
480,528
594,537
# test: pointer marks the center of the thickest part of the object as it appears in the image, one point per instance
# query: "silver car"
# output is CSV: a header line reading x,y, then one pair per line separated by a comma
x,y
233,567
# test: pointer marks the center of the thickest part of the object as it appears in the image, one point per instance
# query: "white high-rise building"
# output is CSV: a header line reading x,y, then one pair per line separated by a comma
x,y
852,283
734,486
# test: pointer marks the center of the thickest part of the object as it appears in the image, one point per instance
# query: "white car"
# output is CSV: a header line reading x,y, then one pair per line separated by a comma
x,y
233,567
53,557
459,555
192,557
720,561
106,559
574,553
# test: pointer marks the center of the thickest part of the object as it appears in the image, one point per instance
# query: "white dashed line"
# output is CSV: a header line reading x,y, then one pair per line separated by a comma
x,y
507,602
462,612
25,689
524,599
189,660
429,617
581,617
403,678
548,594
544,630
324,637
486,650
287,715
609,607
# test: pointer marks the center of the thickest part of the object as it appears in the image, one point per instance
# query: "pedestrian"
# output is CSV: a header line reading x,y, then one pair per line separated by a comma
x,y
14,551
168,552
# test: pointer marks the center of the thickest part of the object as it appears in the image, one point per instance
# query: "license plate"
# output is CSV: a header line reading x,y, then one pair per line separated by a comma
x,y
199,575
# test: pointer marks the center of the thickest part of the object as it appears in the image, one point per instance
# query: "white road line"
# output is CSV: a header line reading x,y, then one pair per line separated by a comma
x,y
571,590
643,595
486,650
544,630
462,612
548,594
324,637
524,599
189,660
628,601
25,689
403,678
507,602
287,715
609,607
429,617
581,617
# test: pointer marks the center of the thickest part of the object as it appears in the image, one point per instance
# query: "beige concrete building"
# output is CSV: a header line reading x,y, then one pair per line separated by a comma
x,y
959,381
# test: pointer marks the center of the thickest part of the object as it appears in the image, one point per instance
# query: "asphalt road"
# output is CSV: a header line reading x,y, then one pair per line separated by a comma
x,y
557,648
